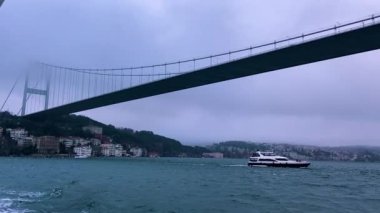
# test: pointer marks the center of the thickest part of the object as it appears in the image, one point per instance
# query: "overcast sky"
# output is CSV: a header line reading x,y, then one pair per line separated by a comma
x,y
334,102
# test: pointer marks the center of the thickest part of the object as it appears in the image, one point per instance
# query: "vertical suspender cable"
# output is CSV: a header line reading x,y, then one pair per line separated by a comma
x,y
130,79
64,87
88,86
104,84
82,84
59,85
53,83
94,84
122,79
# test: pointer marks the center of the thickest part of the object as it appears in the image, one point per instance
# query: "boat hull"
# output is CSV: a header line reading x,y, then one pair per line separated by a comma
x,y
285,165
81,157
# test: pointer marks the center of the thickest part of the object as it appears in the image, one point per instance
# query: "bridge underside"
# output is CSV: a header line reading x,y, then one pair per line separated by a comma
x,y
339,45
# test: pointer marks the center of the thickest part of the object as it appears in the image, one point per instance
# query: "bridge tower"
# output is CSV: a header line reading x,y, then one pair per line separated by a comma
x,y
34,91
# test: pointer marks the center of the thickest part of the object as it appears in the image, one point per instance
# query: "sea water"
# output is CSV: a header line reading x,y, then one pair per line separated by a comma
x,y
184,185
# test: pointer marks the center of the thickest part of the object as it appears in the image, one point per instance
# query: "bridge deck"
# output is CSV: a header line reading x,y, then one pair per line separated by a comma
x,y
339,45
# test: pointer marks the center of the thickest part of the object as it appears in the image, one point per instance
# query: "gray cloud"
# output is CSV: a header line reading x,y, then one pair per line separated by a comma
x,y
334,102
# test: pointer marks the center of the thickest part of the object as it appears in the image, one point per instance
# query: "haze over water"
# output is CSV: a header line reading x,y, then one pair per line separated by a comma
x,y
184,185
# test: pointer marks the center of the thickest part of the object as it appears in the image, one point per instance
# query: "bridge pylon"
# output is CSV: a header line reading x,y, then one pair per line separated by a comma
x,y
34,91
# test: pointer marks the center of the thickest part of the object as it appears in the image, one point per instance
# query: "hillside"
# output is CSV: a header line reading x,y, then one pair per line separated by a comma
x,y
71,125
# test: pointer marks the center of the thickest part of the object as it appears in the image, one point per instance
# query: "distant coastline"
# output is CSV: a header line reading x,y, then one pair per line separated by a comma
x,y
65,136
240,149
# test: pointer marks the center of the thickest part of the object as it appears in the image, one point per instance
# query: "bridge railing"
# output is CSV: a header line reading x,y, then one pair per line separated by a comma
x,y
94,81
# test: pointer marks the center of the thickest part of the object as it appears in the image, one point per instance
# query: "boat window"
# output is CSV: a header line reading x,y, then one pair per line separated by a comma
x,y
266,160
282,159
255,154
268,154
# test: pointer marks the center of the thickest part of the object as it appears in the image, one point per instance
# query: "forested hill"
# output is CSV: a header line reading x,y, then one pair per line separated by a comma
x,y
241,149
71,125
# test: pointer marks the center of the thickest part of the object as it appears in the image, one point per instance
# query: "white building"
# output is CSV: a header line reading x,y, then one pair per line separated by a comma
x,y
83,151
17,133
75,141
112,150
137,151
21,136
118,150
81,142
107,149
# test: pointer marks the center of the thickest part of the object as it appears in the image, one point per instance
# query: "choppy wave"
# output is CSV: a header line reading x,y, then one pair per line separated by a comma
x,y
10,205
188,185
24,194
12,201
5,203
56,193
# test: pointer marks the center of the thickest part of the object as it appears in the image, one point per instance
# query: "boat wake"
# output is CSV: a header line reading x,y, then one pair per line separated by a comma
x,y
235,165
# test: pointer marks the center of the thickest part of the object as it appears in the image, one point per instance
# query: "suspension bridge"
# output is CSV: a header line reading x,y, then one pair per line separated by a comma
x,y
52,90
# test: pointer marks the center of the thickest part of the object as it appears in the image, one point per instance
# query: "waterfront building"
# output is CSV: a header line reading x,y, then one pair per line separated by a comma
x,y
112,150
95,141
27,141
213,155
47,145
137,151
17,133
68,142
83,151
80,141
118,150
107,149
21,136
154,154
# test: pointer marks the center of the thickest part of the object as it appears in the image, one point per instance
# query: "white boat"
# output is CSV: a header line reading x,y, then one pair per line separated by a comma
x,y
270,159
